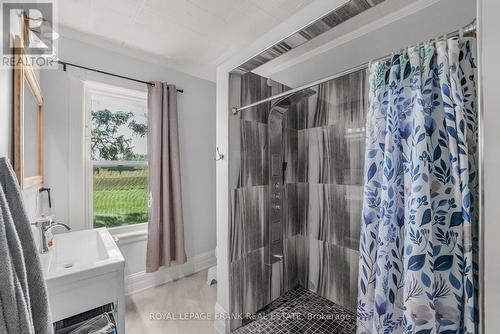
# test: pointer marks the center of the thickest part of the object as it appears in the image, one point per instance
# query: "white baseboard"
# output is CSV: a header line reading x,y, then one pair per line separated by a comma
x,y
221,324
141,281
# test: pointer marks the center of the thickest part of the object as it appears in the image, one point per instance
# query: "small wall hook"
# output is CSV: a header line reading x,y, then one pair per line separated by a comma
x,y
220,156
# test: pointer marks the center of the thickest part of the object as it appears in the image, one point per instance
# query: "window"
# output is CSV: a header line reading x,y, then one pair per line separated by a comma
x,y
117,149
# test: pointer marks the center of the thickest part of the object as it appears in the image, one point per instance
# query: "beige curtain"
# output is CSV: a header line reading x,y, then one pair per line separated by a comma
x,y
165,228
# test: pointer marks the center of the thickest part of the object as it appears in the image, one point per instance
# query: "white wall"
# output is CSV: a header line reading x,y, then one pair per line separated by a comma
x,y
63,141
6,118
489,28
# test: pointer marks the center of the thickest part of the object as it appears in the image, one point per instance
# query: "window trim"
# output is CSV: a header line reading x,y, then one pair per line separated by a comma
x,y
90,88
112,163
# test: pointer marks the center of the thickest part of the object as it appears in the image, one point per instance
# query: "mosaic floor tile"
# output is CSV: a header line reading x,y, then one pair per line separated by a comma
x,y
301,311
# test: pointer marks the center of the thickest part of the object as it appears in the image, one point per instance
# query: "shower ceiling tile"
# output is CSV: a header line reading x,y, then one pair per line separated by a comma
x,y
295,40
324,24
314,30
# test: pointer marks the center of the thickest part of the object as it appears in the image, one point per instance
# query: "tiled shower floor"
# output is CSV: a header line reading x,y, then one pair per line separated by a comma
x,y
301,311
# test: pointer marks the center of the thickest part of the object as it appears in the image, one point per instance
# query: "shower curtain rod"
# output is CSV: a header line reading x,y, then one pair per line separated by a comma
x,y
65,64
467,30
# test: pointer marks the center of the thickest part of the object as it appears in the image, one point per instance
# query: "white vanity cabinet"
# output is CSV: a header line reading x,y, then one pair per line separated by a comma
x,y
84,270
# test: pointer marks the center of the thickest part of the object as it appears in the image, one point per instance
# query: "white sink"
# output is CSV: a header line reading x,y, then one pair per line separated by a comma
x,y
84,270
79,252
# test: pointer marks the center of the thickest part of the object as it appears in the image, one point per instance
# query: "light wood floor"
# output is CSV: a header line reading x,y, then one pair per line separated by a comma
x,y
189,294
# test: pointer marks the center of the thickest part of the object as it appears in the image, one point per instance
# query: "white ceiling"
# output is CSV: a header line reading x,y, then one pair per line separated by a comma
x,y
192,36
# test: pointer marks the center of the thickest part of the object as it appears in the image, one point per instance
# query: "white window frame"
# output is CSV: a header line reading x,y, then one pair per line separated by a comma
x,y
91,88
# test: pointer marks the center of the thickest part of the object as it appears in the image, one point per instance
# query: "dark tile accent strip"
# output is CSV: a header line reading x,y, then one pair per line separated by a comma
x,y
322,25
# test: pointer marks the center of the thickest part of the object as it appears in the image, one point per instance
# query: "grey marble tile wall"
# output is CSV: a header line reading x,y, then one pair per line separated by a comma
x,y
293,212
248,230
330,271
255,88
330,129
332,214
291,155
331,154
339,101
250,281
250,165
290,268
250,274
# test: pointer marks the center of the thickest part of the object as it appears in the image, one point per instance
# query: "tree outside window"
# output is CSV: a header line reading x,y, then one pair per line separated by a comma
x,y
118,151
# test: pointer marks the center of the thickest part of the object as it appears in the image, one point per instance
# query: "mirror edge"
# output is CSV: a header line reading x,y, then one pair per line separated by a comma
x,y
23,74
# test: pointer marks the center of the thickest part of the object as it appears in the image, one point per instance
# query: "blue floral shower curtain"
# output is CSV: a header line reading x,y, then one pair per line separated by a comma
x,y
417,254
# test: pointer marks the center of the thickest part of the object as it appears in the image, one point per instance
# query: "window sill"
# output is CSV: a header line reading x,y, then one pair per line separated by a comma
x,y
130,234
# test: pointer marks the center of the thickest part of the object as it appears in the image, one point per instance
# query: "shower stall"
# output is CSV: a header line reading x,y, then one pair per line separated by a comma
x,y
291,185
296,176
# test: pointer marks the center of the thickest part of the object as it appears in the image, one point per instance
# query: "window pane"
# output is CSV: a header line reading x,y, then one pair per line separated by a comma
x,y
120,195
119,128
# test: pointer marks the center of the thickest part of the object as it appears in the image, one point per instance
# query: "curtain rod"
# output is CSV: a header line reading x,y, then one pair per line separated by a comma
x,y
298,89
468,29
65,64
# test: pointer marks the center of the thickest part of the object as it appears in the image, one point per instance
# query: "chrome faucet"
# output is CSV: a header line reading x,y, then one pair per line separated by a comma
x,y
46,224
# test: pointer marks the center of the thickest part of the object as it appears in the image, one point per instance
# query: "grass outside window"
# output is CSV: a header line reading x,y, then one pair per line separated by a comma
x,y
120,195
